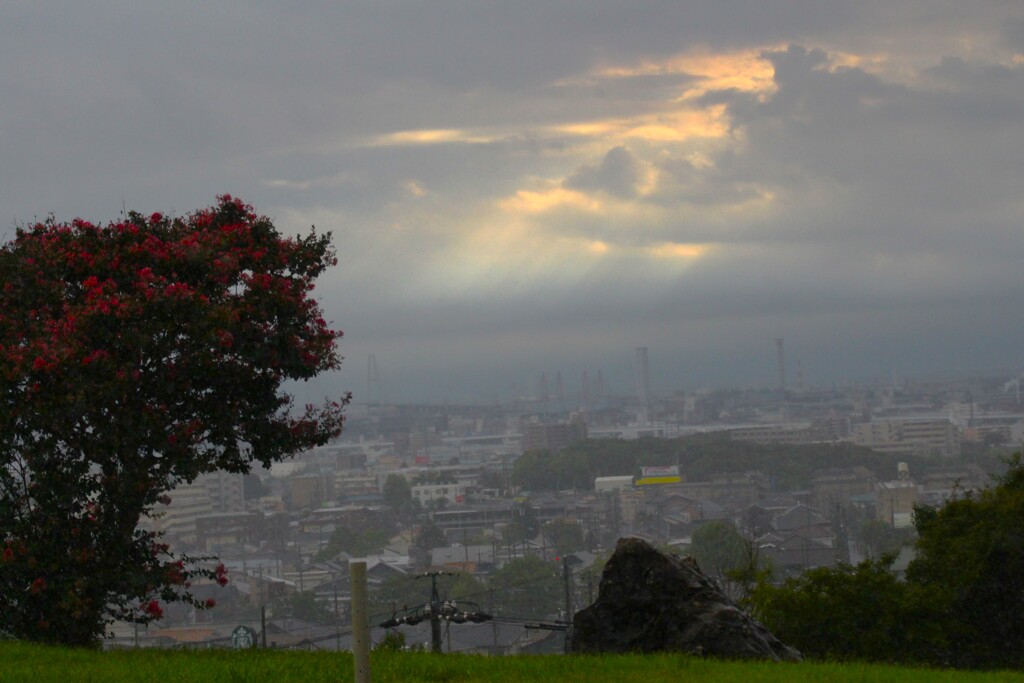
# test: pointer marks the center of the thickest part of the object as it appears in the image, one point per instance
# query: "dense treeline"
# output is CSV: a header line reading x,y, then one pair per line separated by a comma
x,y
960,604
699,456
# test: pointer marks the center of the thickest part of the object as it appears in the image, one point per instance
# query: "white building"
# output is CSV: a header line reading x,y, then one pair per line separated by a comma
x,y
909,436
613,483
450,492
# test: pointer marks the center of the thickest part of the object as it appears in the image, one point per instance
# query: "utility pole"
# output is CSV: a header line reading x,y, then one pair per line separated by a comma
x,y
435,612
337,614
567,581
435,616
360,623
263,610
494,627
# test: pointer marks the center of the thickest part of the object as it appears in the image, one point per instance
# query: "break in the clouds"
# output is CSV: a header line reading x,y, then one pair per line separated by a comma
x,y
538,187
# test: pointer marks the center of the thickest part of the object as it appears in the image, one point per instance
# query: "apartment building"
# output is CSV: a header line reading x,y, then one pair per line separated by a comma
x,y
914,436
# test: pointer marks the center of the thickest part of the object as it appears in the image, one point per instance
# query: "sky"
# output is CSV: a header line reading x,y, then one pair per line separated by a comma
x,y
531,187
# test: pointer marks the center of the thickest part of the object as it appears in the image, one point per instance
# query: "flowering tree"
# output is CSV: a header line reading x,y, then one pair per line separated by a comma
x,y
134,357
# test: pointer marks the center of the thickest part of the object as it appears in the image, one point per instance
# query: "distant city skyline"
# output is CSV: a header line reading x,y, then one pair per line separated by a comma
x,y
525,385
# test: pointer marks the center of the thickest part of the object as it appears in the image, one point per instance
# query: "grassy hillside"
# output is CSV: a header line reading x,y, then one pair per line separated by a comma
x,y
19,662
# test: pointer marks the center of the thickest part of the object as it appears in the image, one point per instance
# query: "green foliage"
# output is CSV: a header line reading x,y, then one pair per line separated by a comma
x,y
972,552
962,603
355,542
135,357
393,641
534,470
719,548
303,605
852,613
397,492
529,587
403,592
566,534
878,538
699,456
429,536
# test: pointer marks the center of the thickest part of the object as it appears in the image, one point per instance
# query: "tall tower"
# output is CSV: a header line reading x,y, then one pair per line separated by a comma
x,y
372,381
643,380
782,363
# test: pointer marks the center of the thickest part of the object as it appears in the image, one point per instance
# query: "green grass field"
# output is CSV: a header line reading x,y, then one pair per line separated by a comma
x,y
20,662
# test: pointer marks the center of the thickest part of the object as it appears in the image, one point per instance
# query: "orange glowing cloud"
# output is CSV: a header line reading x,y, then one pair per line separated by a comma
x,y
746,70
414,188
528,201
677,250
669,126
430,137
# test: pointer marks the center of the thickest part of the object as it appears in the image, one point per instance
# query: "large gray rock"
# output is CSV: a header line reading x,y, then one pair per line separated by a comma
x,y
650,602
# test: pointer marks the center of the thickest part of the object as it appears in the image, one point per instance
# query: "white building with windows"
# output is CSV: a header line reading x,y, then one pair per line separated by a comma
x,y
450,492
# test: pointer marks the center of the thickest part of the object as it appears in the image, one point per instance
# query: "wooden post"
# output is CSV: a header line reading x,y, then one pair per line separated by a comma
x,y
263,626
360,622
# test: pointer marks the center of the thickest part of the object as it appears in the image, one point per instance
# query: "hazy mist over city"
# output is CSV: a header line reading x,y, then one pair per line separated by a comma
x,y
540,187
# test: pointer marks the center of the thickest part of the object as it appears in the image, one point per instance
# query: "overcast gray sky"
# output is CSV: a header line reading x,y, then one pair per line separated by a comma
x,y
526,187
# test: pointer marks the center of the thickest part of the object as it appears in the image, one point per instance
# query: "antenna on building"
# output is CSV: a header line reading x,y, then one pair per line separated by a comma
x,y
372,381
543,386
643,380
782,363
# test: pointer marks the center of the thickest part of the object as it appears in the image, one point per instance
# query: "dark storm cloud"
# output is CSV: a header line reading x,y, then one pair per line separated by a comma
x,y
618,174
870,201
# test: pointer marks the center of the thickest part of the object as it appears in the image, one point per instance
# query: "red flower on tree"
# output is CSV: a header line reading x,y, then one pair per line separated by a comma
x,y
221,575
153,610
134,357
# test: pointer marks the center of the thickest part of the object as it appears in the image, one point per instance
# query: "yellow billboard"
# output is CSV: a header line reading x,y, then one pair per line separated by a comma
x,y
668,474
